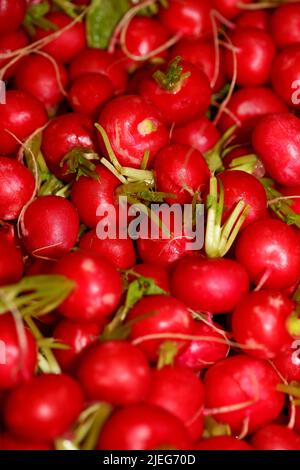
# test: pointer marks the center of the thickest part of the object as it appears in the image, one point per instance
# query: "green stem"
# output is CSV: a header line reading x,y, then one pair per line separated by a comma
x,y
167,353
214,156
173,78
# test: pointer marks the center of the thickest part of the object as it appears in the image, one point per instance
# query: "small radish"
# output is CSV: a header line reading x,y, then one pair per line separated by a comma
x,y
55,403
215,285
10,442
270,249
294,192
11,42
288,363
255,52
11,15
276,437
188,18
200,134
49,80
120,252
180,91
223,443
152,271
98,287
259,322
99,61
161,430
241,391
285,25
59,231
16,188
89,93
179,391
275,140
229,8
202,353
286,75
166,316
21,115
115,372
69,42
258,19
181,171
11,261
20,353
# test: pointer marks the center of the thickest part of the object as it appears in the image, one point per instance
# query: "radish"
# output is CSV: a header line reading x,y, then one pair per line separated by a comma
x,y
98,286
21,115
273,257
98,61
17,185
181,171
68,43
11,15
11,261
294,192
89,93
59,395
166,316
10,442
288,364
276,437
286,75
50,79
133,127
70,135
285,25
259,322
59,231
181,392
241,391
20,353
215,285
258,19
275,140
223,443
180,91
161,430
11,42
115,372
240,186
229,8
157,273
255,52
188,18
200,134
201,353
77,336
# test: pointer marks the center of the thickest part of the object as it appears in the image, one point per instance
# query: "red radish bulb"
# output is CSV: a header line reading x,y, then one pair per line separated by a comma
x,y
285,25
11,42
276,437
200,134
223,443
11,15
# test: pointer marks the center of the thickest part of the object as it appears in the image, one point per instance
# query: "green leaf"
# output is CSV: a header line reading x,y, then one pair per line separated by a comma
x,y
102,18
139,288
35,18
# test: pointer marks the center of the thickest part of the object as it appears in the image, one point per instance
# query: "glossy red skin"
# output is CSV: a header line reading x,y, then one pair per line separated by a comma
x,y
259,19
11,262
45,85
120,252
144,35
223,443
143,427
286,71
189,101
215,285
58,233
292,191
88,195
189,18
255,55
276,437
69,43
123,120
200,134
115,372
63,134
10,442
169,316
11,15
59,395
260,320
19,363
270,245
241,186
248,105
179,391
201,354
16,188
241,379
285,25
157,273
89,93
275,140
11,42
99,61
178,167
288,363
297,420
98,286
201,53
22,115
228,8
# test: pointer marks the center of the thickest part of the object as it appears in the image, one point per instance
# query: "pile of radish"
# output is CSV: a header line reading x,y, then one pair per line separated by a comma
x,y
146,344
